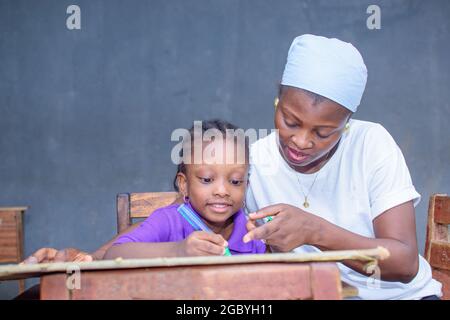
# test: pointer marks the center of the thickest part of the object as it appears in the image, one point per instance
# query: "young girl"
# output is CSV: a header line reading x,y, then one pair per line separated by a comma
x,y
214,190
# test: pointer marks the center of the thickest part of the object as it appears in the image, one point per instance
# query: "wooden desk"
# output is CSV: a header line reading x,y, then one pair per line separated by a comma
x,y
11,237
269,280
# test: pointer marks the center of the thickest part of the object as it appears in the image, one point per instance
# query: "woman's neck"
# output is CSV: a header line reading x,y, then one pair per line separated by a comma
x,y
319,163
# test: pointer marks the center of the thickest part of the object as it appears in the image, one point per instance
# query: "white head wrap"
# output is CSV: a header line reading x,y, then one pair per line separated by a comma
x,y
329,67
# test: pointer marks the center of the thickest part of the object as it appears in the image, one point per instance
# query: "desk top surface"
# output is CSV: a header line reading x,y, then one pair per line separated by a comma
x,y
17,271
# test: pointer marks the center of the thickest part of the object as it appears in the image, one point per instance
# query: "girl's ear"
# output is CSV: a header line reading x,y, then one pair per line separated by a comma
x,y
182,184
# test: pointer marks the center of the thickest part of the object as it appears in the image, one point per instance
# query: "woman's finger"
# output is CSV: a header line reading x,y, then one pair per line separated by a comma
x,y
41,255
250,225
61,256
262,232
83,257
272,210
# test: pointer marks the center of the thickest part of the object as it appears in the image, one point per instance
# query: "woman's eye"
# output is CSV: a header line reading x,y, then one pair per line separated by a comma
x,y
290,124
321,136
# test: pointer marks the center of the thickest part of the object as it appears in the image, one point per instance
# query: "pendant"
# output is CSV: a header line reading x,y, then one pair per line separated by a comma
x,y
306,204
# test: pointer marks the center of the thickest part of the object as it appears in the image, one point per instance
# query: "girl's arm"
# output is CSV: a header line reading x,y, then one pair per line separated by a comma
x,y
394,229
141,250
100,252
198,243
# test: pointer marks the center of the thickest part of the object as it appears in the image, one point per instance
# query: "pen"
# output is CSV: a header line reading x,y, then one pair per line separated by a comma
x,y
196,222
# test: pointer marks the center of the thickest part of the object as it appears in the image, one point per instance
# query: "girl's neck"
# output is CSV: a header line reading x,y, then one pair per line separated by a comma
x,y
224,229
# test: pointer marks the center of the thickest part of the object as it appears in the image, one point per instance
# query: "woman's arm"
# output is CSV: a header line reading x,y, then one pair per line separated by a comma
x,y
48,255
44,255
394,229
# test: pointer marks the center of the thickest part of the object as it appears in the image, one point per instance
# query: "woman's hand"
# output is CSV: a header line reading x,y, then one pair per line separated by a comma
x,y
290,228
201,243
46,255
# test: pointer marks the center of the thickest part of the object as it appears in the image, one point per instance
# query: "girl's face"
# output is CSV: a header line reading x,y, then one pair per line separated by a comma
x,y
215,190
308,131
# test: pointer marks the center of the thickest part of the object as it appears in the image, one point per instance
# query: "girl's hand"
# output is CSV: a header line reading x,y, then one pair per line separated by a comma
x,y
290,228
201,243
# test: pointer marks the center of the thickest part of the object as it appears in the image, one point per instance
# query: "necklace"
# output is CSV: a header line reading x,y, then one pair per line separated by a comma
x,y
305,202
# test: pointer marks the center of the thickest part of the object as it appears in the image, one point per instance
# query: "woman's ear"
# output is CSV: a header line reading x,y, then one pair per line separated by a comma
x,y
182,184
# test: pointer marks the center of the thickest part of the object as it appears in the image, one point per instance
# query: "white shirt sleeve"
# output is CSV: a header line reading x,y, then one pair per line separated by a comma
x,y
389,180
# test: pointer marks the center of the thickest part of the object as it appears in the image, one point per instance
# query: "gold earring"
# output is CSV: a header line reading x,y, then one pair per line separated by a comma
x,y
275,102
347,126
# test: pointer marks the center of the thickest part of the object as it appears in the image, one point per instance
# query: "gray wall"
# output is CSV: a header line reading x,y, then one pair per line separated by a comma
x,y
87,114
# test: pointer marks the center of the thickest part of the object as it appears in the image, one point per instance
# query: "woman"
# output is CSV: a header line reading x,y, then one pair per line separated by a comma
x,y
332,183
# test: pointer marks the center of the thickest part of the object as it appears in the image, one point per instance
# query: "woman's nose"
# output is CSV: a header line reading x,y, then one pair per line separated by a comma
x,y
302,140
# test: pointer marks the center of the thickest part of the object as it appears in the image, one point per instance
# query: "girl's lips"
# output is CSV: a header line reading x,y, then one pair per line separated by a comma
x,y
295,156
219,207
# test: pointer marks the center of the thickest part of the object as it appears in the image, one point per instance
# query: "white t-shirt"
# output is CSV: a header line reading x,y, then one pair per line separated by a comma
x,y
365,176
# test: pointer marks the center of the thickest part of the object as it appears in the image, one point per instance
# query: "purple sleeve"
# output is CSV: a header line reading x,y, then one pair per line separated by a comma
x,y
260,246
156,228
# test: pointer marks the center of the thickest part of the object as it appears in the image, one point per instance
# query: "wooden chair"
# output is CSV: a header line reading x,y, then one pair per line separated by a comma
x,y
140,205
437,245
11,237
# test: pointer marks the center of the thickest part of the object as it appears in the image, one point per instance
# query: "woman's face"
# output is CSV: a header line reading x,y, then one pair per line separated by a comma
x,y
308,130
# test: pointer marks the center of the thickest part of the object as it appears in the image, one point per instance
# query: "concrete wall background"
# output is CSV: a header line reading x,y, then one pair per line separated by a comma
x,y
86,114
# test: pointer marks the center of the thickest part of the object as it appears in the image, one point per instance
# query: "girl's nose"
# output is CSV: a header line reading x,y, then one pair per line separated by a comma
x,y
221,190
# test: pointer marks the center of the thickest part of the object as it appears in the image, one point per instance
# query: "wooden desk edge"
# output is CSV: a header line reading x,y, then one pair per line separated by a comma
x,y
14,208
322,282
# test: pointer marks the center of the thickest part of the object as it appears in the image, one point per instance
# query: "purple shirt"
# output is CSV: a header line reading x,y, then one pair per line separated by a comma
x,y
168,225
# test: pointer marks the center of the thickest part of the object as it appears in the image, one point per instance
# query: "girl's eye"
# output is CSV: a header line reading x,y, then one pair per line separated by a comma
x,y
205,180
236,182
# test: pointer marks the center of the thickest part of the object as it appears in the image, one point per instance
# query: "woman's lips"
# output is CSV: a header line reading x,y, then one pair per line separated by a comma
x,y
296,156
